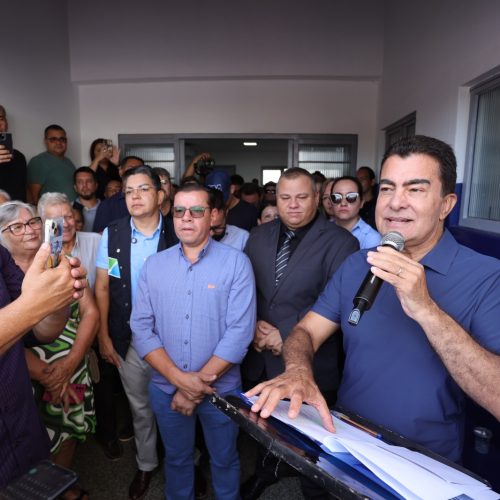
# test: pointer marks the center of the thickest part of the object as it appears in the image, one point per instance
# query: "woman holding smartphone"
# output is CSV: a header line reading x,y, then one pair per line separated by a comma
x,y
104,160
59,371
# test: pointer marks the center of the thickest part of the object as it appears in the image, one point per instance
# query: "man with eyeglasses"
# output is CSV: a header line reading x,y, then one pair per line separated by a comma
x,y
346,195
192,321
124,247
293,258
51,171
12,165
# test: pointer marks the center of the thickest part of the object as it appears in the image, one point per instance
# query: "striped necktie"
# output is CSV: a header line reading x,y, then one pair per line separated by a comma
x,y
283,254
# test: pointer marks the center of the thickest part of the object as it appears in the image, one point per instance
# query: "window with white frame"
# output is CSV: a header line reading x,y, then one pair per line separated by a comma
x,y
331,160
154,155
481,206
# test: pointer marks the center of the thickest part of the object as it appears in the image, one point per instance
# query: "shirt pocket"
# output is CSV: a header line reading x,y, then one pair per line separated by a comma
x,y
213,301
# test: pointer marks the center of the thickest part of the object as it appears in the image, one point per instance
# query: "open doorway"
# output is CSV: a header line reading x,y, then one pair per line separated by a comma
x,y
233,156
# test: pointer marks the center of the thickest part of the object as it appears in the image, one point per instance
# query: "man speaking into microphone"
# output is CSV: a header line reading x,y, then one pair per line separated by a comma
x,y
432,333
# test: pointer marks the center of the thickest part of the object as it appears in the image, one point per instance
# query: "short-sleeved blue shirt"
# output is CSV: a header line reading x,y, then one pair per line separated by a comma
x,y
392,375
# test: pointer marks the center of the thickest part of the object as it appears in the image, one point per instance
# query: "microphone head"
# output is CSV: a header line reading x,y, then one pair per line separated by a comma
x,y
393,239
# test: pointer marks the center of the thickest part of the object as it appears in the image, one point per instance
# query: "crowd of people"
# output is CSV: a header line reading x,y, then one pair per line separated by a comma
x,y
174,292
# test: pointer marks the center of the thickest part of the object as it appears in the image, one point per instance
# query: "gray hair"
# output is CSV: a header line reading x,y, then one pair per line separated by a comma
x,y
9,211
51,199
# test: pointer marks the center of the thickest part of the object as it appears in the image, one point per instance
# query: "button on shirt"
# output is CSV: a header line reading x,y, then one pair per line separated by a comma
x,y
143,247
195,311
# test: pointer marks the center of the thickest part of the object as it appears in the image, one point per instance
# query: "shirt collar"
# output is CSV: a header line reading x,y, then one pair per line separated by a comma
x,y
440,258
135,231
202,253
358,225
301,231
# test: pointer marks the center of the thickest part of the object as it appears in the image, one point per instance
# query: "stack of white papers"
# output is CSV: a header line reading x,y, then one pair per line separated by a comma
x,y
411,474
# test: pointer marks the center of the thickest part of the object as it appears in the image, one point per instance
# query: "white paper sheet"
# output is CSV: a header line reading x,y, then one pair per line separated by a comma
x,y
411,474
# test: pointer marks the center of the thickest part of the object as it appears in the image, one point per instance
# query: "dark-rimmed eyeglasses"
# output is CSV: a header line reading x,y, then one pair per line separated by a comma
x,y
19,228
57,139
336,198
197,212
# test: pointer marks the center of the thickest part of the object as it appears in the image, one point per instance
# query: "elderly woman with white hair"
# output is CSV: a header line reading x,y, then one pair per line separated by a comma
x,y
59,370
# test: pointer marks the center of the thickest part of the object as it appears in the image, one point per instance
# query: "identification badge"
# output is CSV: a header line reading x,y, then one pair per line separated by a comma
x,y
113,267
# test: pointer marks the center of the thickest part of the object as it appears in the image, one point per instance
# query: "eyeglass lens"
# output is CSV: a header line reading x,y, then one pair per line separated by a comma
x,y
196,212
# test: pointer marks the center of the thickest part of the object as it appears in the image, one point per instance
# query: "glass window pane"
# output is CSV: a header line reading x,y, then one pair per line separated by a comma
x,y
271,175
331,161
484,200
154,155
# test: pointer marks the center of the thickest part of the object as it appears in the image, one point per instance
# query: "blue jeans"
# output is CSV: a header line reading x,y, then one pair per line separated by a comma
x,y
178,435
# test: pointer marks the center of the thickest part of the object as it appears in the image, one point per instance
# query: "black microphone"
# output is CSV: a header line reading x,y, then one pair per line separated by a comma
x,y
365,296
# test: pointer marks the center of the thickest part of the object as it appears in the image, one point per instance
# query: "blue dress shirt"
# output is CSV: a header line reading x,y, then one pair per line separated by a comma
x,y
392,374
195,311
366,235
235,237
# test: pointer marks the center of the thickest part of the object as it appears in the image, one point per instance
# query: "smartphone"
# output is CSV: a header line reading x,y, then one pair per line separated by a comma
x,y
54,236
45,481
6,140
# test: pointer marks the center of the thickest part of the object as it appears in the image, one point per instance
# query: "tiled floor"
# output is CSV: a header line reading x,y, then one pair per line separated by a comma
x,y
108,480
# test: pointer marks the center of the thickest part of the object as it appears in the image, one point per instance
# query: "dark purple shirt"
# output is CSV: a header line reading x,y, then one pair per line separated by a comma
x,y
23,438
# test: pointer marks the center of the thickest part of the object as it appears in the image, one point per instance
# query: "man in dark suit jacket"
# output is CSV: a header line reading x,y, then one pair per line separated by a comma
x,y
317,249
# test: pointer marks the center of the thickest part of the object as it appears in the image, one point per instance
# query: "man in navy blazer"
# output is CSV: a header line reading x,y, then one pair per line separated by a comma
x,y
316,249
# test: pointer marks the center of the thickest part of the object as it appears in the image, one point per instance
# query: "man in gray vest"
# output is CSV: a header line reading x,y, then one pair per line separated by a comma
x,y
125,245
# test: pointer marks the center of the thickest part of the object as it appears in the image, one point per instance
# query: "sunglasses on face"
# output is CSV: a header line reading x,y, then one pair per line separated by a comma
x,y
196,212
337,198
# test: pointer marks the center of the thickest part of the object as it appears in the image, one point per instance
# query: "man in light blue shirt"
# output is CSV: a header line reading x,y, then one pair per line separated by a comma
x,y
124,247
346,195
192,321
